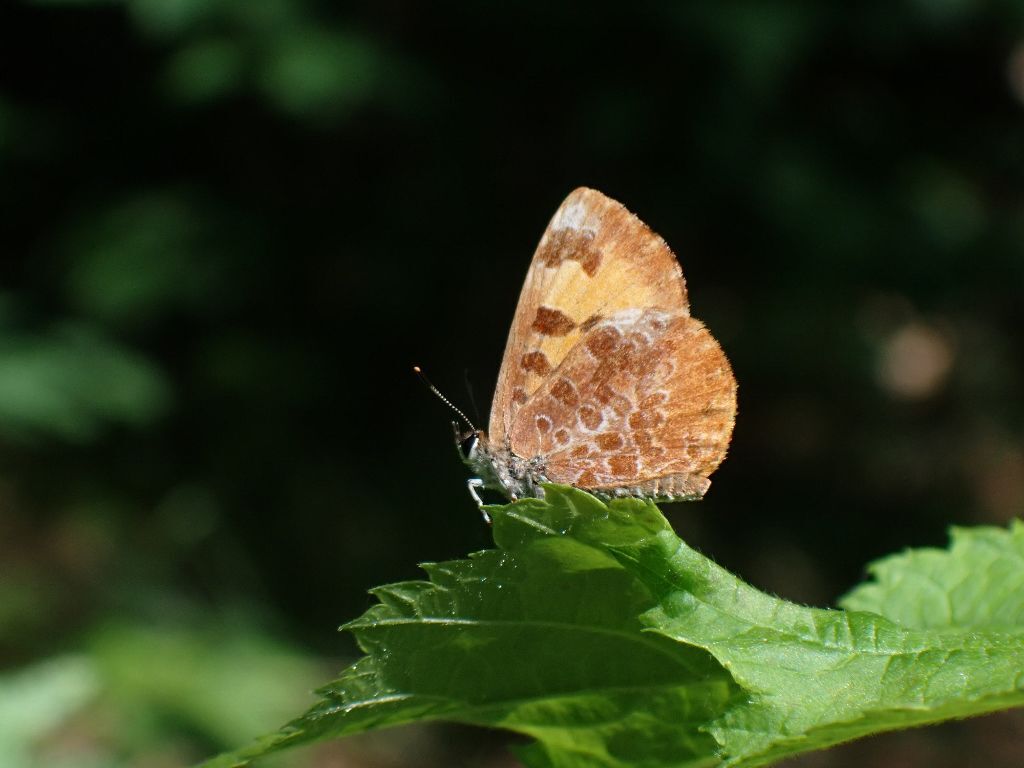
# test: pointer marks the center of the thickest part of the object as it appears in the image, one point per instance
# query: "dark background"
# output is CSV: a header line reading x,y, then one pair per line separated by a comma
x,y
229,228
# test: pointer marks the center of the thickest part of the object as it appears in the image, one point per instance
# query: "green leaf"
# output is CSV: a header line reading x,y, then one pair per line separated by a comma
x,y
977,583
594,629
818,677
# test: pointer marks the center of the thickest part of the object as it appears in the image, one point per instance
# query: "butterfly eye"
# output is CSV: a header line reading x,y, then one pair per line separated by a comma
x,y
468,442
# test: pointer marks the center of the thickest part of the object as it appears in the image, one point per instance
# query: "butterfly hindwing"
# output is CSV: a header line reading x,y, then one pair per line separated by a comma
x,y
644,403
595,260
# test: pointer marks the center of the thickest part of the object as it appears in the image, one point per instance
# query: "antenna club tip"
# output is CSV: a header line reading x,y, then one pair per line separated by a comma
x,y
416,369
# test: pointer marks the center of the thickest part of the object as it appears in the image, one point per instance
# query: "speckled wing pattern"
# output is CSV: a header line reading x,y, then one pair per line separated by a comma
x,y
605,374
594,259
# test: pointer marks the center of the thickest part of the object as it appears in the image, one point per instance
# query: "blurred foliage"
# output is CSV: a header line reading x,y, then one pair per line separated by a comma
x,y
36,700
70,382
135,693
230,227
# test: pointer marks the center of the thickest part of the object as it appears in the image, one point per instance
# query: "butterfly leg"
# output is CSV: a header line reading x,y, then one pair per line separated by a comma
x,y
472,485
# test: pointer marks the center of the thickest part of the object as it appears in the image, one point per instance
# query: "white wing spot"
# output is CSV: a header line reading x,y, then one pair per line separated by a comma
x,y
571,217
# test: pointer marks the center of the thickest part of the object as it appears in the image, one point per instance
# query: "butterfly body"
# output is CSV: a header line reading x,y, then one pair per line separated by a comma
x,y
607,383
498,468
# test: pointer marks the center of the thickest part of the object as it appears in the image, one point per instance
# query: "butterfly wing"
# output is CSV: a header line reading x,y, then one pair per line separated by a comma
x,y
645,403
594,260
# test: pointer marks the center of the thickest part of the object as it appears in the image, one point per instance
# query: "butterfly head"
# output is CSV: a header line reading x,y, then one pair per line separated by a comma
x,y
469,442
476,452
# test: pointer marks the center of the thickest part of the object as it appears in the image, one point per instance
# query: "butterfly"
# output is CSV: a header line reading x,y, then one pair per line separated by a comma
x,y
607,383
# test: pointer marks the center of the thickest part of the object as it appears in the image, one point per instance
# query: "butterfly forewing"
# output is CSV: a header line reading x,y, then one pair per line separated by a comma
x,y
595,260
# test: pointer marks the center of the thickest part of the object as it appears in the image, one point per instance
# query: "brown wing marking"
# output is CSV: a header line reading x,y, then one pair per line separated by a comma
x,y
645,395
594,260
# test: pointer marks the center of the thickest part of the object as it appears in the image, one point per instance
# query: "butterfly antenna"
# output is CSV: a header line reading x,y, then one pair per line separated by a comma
x,y
442,398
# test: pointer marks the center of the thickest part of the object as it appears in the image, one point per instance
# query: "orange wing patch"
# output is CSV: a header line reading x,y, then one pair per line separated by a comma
x,y
594,260
647,400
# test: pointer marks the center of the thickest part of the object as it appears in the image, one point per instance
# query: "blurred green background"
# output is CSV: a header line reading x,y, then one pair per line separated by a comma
x,y
229,228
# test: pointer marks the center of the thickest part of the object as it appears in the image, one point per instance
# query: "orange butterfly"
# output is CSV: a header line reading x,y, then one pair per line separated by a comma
x,y
607,383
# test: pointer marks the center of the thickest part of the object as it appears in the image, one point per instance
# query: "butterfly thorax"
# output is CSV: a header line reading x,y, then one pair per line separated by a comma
x,y
502,470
